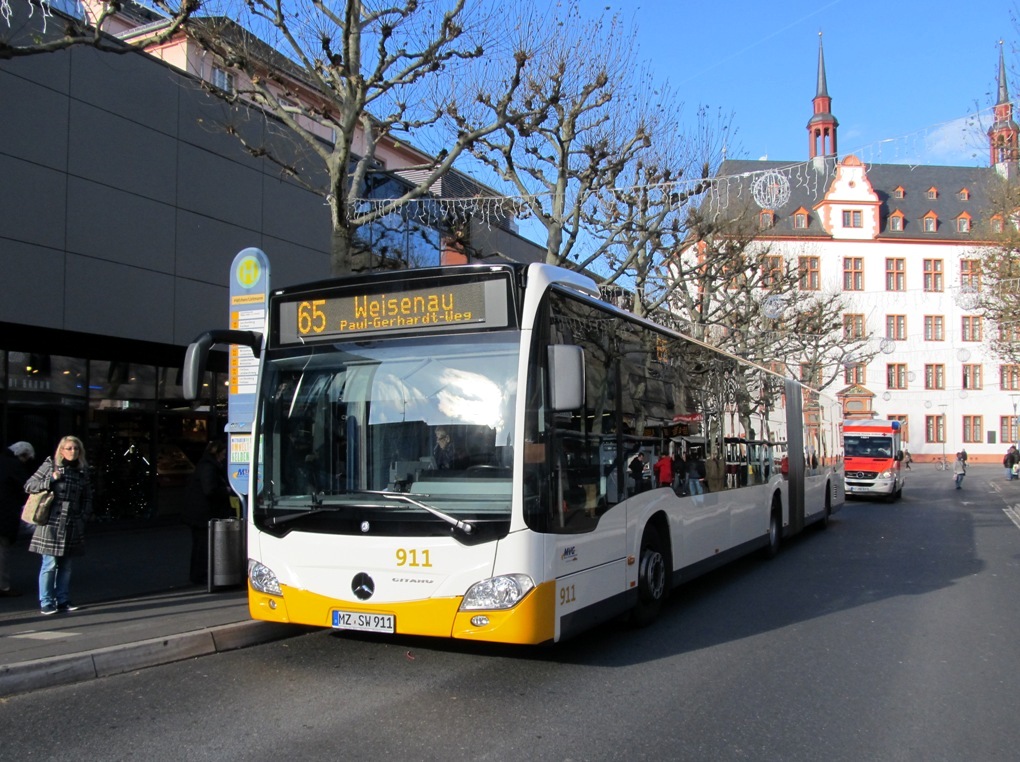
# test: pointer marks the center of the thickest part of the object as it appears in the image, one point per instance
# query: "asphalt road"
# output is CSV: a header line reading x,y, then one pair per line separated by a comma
x,y
892,635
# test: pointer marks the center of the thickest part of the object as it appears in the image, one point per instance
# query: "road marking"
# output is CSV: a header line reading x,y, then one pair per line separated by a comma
x,y
1014,514
45,635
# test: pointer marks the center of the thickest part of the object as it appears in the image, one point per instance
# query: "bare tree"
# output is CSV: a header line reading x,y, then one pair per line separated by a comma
x,y
369,75
999,296
37,30
577,121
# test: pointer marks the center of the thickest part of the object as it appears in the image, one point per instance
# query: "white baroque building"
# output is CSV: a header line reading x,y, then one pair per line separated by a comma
x,y
901,244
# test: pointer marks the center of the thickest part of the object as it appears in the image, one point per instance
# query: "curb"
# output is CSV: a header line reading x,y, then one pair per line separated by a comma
x,y
102,662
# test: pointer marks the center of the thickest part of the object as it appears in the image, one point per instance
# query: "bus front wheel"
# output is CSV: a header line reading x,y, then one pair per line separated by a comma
x,y
653,578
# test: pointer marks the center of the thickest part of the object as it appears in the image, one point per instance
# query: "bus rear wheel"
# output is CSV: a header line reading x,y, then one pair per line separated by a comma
x,y
775,533
653,577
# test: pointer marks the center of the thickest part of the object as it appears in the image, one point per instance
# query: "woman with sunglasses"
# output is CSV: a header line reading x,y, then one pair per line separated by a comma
x,y
63,536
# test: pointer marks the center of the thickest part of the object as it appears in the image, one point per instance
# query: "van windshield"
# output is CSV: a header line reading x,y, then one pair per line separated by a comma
x,y
867,447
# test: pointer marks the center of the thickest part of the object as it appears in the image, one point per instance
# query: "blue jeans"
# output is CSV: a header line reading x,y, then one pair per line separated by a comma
x,y
695,487
54,581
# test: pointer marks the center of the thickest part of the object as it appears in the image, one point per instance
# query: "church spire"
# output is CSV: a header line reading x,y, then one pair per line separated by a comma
x,y
822,125
1002,135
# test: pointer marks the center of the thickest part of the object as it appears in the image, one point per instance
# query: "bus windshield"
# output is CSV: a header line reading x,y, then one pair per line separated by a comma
x,y
398,431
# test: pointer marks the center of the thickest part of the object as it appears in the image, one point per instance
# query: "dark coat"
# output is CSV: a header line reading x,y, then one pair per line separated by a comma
x,y
64,533
207,495
13,474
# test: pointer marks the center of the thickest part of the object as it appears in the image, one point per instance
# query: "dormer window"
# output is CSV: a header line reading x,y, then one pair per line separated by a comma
x,y
963,195
933,193
930,222
997,225
766,219
800,219
896,221
963,223
899,192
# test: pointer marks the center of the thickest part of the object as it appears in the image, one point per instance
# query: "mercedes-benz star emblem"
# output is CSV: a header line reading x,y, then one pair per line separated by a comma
x,y
362,586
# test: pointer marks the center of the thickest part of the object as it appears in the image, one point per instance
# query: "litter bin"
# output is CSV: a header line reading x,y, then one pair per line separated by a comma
x,y
226,553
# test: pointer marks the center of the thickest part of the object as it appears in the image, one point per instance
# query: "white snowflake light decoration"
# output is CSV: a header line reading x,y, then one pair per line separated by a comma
x,y
770,189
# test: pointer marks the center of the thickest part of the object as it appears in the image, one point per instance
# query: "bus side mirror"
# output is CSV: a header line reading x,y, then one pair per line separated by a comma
x,y
198,352
899,455
566,377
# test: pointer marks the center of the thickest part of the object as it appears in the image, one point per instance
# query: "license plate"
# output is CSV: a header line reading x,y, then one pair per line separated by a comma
x,y
364,621
858,489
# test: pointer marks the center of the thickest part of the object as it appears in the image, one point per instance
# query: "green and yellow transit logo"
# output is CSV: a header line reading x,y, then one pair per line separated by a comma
x,y
248,272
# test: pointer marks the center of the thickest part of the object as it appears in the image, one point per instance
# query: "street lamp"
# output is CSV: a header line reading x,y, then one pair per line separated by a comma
x,y
1015,433
943,406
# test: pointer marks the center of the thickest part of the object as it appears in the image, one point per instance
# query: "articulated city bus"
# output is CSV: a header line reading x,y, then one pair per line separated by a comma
x,y
445,452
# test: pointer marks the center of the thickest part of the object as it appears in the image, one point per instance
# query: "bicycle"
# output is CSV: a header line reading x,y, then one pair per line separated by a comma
x,y
942,465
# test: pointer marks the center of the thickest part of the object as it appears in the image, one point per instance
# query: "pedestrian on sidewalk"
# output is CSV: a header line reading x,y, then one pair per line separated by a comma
x,y
61,538
959,470
1009,460
207,497
663,469
15,468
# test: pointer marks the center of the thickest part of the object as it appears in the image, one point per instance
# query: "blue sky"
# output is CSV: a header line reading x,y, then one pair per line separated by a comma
x,y
903,75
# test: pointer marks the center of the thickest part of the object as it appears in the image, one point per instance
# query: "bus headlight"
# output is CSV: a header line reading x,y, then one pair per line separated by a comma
x,y
263,578
885,475
497,592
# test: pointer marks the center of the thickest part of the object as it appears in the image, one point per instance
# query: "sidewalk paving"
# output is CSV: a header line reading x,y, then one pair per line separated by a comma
x,y
137,609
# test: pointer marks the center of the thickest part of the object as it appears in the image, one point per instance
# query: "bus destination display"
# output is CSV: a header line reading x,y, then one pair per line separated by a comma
x,y
462,306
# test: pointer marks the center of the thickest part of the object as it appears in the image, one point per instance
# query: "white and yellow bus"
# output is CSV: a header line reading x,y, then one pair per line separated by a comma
x,y
445,452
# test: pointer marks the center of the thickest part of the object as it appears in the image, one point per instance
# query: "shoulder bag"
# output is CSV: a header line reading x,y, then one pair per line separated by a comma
x,y
37,508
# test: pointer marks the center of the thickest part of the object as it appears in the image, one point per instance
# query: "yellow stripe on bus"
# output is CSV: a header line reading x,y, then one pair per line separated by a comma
x,y
530,622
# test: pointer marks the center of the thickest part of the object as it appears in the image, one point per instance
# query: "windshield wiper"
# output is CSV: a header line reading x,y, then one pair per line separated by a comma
x,y
464,526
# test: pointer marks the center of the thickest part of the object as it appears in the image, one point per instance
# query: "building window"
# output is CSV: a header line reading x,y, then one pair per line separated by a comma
x,y
930,223
899,192
1009,334
933,275
972,377
904,427
771,271
972,328
853,273
970,273
997,225
934,429
766,219
1009,380
896,223
933,193
963,195
934,328
973,429
935,376
962,225
1007,428
853,218
895,274
800,220
810,278
896,327
896,375
222,80
855,374
853,326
